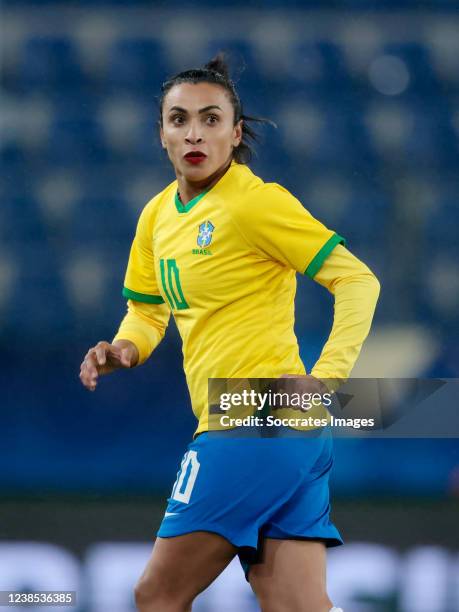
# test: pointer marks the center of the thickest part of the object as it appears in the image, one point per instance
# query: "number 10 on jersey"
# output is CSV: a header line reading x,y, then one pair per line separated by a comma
x,y
170,280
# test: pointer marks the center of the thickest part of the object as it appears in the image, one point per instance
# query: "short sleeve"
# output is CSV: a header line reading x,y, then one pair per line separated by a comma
x,y
279,227
140,281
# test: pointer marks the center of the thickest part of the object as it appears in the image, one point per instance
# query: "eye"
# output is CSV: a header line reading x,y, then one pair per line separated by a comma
x,y
212,119
177,119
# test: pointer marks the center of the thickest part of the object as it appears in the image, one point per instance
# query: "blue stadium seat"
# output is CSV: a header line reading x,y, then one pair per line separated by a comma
x,y
76,140
103,221
448,129
365,157
319,67
437,295
330,141
430,141
49,63
20,220
366,222
12,159
124,121
44,309
420,68
137,65
415,131
354,207
9,282
441,226
314,312
98,269
145,146
101,183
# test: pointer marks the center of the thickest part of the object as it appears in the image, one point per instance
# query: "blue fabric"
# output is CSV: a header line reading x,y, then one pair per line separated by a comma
x,y
247,489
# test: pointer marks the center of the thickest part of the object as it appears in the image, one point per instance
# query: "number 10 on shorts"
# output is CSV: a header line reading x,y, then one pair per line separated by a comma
x,y
186,477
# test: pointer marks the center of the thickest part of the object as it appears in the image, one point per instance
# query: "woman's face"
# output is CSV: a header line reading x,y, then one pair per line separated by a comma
x,y
198,118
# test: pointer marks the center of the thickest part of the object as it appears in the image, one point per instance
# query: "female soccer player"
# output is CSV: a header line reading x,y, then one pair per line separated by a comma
x,y
219,248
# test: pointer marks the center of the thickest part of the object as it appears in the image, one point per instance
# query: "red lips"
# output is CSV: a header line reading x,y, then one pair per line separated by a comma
x,y
195,154
195,157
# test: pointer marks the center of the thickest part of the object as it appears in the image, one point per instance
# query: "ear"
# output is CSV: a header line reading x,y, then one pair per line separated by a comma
x,y
237,133
161,135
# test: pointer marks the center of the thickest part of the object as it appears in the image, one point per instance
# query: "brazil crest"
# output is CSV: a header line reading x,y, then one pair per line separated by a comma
x,y
205,234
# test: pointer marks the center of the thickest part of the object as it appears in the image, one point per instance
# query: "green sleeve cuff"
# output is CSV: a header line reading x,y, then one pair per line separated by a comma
x,y
322,255
142,297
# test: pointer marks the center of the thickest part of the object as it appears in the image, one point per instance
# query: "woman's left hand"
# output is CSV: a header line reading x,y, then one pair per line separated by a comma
x,y
307,383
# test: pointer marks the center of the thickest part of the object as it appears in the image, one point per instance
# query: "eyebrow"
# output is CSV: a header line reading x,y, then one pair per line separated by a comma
x,y
201,110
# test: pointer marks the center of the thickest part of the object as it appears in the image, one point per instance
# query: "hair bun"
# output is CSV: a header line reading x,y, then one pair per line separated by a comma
x,y
218,64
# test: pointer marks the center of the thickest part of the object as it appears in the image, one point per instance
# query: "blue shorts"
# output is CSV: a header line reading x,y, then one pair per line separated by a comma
x,y
250,488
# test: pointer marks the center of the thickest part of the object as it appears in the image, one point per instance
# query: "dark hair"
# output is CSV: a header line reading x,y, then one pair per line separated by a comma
x,y
216,71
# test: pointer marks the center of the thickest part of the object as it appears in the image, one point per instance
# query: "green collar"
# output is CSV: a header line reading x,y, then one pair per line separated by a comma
x,y
184,208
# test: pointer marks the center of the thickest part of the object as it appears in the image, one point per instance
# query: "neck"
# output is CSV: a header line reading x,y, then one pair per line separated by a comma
x,y
190,189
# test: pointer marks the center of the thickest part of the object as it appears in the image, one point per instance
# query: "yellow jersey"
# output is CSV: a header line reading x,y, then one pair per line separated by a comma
x,y
225,266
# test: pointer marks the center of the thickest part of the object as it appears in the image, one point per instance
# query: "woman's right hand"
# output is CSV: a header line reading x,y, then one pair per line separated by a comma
x,y
105,358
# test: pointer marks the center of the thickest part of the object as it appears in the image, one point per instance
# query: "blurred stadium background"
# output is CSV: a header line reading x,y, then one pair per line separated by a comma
x,y
366,97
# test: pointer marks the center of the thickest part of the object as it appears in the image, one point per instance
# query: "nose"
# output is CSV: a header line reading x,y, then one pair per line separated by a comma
x,y
193,136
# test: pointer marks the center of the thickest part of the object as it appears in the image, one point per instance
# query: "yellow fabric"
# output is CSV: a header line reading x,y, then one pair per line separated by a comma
x,y
232,295
356,291
140,275
145,326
